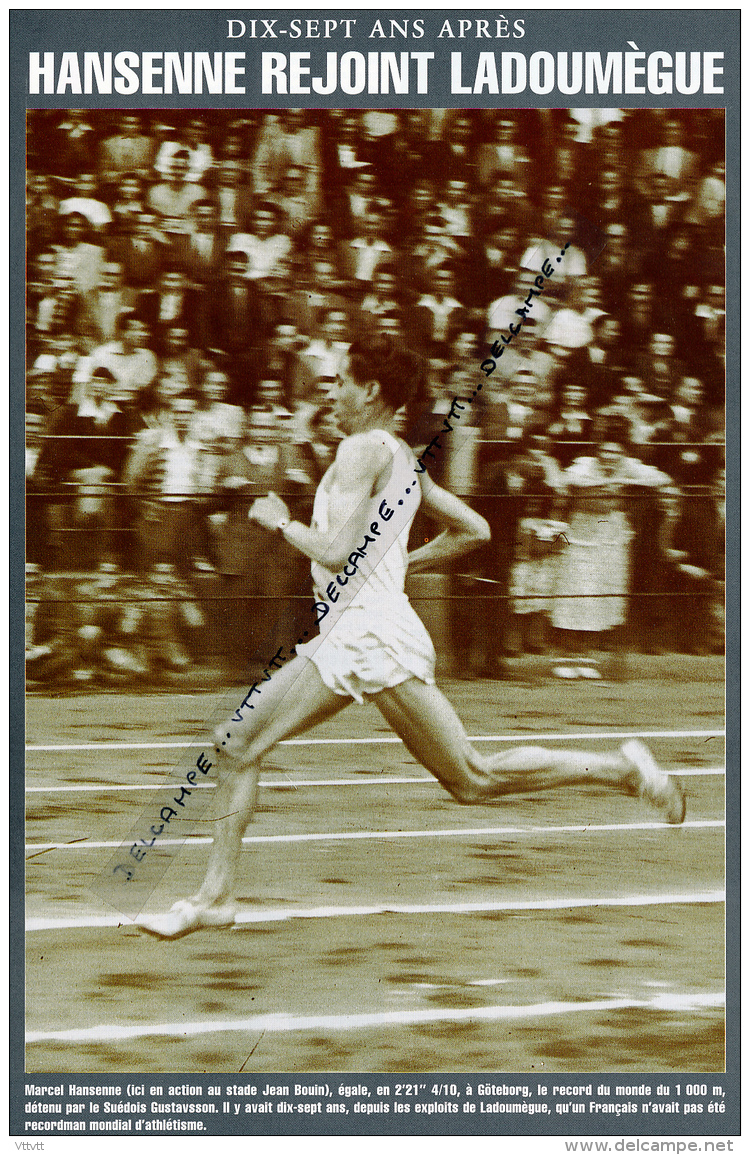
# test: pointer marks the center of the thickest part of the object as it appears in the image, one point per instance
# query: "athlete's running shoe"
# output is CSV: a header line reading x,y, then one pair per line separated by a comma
x,y
185,917
652,784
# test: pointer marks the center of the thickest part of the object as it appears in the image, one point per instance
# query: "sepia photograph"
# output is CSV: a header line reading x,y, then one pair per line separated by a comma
x,y
375,484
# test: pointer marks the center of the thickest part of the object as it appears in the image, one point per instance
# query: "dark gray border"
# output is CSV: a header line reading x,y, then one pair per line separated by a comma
x,y
546,29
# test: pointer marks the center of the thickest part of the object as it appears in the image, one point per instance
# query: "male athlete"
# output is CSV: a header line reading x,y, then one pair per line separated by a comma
x,y
372,643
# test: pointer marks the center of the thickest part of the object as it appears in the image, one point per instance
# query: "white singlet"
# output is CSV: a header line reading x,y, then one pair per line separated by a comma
x,y
371,638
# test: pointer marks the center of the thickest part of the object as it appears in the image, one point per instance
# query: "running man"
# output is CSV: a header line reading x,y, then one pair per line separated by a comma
x,y
372,644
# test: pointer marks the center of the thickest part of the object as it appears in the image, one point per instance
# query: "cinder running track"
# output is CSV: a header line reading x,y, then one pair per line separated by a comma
x,y
383,926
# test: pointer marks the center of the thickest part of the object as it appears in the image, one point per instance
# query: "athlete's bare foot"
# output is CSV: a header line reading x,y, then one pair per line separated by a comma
x,y
187,916
653,784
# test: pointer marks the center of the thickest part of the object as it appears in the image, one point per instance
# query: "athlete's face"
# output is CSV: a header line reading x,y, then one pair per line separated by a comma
x,y
348,400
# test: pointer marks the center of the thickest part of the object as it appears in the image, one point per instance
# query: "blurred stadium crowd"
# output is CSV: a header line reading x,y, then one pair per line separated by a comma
x,y
193,283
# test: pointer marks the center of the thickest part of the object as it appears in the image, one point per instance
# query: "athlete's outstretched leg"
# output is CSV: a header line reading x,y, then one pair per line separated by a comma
x,y
433,733
293,700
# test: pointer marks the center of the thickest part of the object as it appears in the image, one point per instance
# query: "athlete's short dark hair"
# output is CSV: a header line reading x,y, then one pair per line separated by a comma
x,y
398,371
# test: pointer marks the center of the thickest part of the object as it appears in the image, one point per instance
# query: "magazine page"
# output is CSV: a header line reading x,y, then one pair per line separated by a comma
x,y
372,548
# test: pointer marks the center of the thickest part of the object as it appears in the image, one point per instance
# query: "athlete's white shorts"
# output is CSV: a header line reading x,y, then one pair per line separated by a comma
x,y
368,648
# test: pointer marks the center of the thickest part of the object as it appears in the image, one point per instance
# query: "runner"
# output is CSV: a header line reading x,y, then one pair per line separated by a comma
x,y
372,644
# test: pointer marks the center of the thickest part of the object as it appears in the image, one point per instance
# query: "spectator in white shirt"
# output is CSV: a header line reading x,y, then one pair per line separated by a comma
x,y
502,313
265,244
85,200
286,139
455,208
168,472
437,313
569,263
571,327
173,198
193,138
129,359
324,356
362,255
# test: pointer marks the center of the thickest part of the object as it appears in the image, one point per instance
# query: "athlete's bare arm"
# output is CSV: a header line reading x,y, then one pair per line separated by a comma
x,y
350,482
464,528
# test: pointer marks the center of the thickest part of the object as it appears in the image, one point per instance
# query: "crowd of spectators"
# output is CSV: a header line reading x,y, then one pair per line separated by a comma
x,y
194,281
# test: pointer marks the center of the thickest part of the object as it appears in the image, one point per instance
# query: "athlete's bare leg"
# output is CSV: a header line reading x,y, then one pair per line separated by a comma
x,y
296,698
433,733
293,700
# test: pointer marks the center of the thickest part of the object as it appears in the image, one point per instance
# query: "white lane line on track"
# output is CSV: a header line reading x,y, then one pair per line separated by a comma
x,y
293,783
387,835
105,788
248,917
387,739
112,1032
